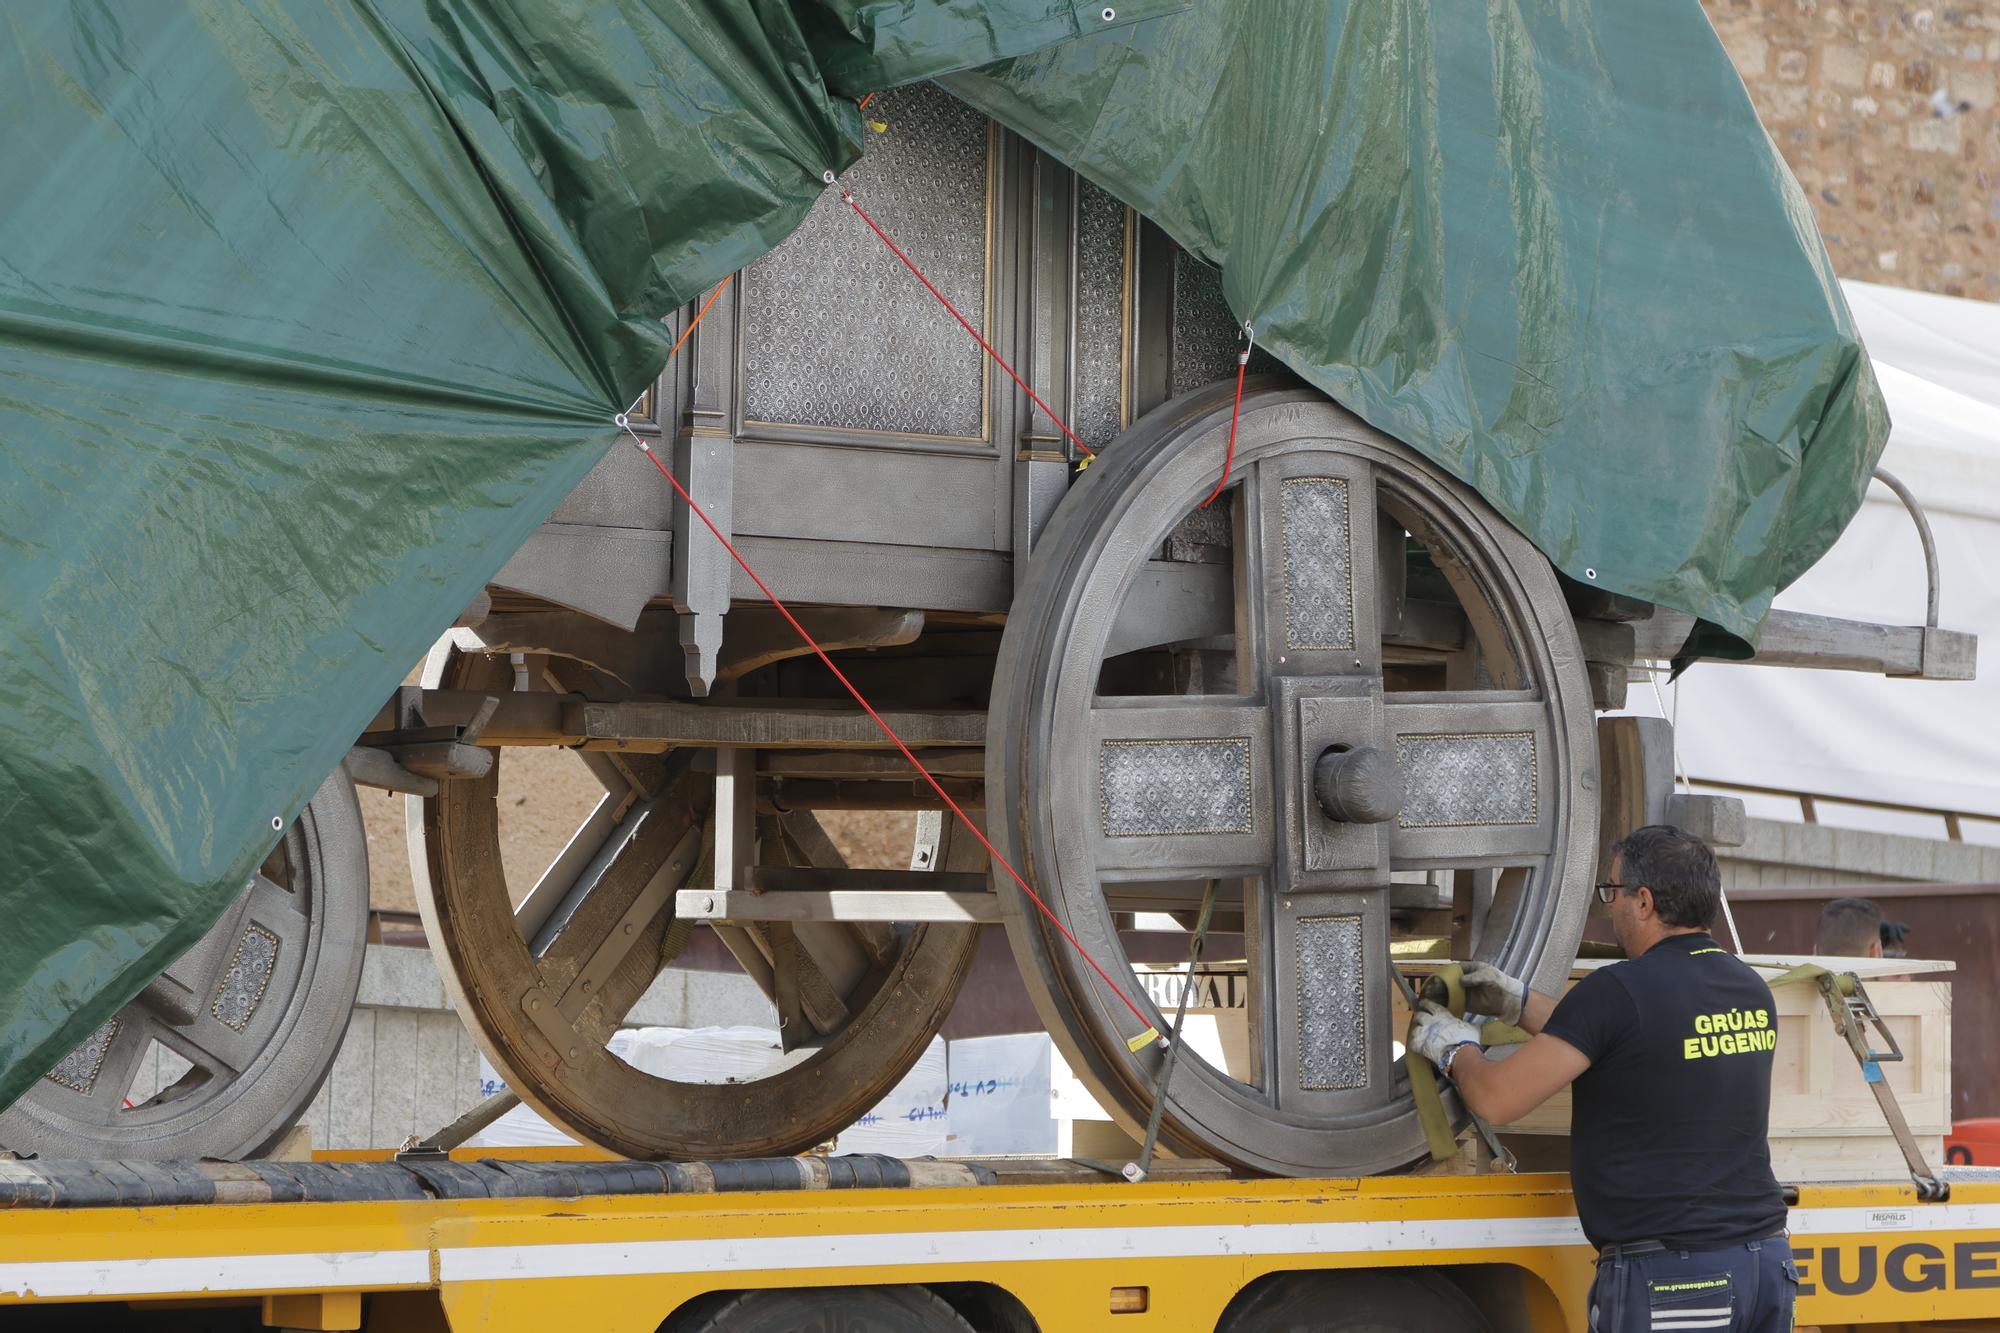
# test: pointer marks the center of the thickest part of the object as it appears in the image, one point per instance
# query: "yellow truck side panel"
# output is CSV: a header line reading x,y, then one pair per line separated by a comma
x,y
1869,1254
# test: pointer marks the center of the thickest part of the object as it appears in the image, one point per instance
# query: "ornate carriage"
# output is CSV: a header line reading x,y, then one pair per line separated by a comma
x,y
1345,704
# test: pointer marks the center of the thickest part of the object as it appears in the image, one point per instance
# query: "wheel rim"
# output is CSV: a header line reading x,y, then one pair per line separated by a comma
x,y
496,965
1122,802
251,1016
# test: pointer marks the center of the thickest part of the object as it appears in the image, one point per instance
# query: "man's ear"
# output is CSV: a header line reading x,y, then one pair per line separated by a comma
x,y
1645,904
1875,948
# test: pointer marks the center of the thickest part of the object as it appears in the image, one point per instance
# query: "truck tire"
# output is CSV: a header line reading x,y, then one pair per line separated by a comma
x,y
833,1310
1353,1303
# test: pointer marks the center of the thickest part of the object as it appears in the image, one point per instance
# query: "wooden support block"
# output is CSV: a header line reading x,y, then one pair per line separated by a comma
x,y
319,1311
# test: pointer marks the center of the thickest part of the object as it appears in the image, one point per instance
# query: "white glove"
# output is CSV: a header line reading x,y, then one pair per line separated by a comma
x,y
1488,990
1438,1031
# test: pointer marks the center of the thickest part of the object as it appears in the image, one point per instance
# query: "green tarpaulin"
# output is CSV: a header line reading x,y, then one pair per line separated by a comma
x,y
310,312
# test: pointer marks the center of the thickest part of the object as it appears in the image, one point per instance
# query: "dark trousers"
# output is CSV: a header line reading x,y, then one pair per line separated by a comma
x,y
1740,1289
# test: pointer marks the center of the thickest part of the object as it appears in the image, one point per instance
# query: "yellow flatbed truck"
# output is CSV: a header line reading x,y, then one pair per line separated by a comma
x,y
881,1245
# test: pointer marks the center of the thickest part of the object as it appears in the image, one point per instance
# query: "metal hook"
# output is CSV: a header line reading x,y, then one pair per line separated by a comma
x,y
1932,590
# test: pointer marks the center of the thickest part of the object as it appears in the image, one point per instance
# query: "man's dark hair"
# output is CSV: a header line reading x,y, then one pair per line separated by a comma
x,y
1677,867
1847,927
1893,935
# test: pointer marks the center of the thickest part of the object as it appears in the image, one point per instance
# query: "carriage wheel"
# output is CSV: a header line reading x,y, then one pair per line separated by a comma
x,y
1302,746
544,985
221,1054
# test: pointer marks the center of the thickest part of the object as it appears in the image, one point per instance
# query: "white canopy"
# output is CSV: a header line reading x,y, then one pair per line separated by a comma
x,y
1923,743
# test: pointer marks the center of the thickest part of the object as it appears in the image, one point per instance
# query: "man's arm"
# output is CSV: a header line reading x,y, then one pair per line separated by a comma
x,y
1535,1011
1503,1091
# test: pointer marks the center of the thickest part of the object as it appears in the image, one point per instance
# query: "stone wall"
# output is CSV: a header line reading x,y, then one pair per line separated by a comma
x,y
1886,113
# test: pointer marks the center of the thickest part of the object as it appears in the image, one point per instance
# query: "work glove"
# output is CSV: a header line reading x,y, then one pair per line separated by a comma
x,y
1438,1030
1488,990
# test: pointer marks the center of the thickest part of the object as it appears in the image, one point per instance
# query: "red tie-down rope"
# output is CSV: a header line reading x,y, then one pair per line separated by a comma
x,y
1150,1034
847,197
1242,364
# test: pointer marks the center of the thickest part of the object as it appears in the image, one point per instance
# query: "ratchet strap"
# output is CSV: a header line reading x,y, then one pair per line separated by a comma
x,y
1853,1013
1423,1077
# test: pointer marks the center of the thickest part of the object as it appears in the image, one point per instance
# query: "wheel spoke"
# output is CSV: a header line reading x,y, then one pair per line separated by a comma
x,y
1311,553
275,907
1477,788
213,1046
562,877
1319,1000
607,949
1181,786
620,863
179,992
102,1070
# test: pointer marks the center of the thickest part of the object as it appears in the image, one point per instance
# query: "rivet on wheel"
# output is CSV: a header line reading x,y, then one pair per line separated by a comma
x,y
586,988
629,927
573,1053
534,1002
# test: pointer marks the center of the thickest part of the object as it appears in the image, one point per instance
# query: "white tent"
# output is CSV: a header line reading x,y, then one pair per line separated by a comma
x,y
1919,743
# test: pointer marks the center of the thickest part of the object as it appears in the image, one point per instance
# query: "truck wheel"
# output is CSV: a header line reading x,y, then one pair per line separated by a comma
x,y
1353,1303
834,1310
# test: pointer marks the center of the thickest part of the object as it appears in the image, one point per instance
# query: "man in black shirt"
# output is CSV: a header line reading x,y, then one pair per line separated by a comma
x,y
1669,1057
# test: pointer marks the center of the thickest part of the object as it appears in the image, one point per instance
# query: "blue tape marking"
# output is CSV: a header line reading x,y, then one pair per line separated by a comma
x,y
1871,1071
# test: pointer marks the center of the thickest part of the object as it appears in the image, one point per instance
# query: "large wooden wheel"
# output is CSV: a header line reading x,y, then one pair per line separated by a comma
x,y
221,1053
544,975
1284,722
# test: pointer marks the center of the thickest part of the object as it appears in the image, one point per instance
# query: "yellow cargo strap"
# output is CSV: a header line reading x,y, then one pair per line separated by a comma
x,y
1423,1078
1853,1013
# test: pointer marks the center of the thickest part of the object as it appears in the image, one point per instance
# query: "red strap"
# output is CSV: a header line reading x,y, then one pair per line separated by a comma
x,y
1242,364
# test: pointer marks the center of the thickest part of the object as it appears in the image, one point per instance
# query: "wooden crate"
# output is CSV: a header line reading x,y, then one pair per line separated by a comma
x,y
1825,1124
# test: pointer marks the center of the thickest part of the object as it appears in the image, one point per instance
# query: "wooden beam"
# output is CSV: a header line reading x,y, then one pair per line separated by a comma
x,y
839,905
1795,639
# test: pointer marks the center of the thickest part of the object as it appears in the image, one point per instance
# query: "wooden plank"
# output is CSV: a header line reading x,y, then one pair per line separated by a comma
x,y
1793,638
838,905
818,879
663,725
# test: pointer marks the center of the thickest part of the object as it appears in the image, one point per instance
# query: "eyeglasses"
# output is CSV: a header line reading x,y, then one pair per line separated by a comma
x,y
1607,892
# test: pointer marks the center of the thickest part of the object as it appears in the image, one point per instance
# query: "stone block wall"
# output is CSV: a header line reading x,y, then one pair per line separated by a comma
x,y
1886,113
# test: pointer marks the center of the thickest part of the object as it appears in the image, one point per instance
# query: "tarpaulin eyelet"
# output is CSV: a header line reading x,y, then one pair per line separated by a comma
x,y
1109,13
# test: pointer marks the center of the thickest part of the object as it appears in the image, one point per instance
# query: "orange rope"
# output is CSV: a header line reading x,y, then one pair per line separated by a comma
x,y
689,330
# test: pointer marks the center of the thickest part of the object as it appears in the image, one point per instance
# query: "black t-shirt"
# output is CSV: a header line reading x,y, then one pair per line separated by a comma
x,y
1669,1125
